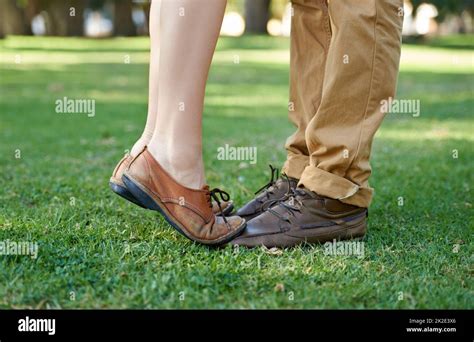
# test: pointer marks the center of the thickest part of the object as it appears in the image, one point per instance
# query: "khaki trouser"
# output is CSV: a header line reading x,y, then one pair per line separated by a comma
x,y
344,61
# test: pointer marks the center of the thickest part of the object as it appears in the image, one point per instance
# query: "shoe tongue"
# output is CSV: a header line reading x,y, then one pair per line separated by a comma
x,y
293,180
303,192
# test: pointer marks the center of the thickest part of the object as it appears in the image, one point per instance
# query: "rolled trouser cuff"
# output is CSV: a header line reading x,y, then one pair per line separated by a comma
x,y
330,185
295,165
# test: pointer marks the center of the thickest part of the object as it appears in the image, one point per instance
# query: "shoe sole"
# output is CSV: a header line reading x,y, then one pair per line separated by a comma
x,y
139,192
125,193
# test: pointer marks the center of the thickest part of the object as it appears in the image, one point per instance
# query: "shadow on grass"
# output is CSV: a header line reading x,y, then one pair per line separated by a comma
x,y
252,42
455,42
255,88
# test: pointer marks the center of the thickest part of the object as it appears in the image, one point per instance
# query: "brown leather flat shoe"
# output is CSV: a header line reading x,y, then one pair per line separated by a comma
x,y
117,186
305,217
189,211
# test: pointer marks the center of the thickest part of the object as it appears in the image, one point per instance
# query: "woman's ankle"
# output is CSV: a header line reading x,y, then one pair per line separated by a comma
x,y
137,147
184,167
143,141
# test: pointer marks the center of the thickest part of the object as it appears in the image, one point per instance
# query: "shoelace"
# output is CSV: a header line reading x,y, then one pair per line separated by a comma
x,y
274,177
291,205
215,194
290,192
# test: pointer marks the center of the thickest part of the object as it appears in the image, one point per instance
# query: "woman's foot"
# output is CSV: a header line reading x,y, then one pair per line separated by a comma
x,y
116,184
188,210
146,136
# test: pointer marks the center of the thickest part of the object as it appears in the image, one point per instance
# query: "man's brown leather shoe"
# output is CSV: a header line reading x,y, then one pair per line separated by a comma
x,y
188,210
117,186
304,217
275,190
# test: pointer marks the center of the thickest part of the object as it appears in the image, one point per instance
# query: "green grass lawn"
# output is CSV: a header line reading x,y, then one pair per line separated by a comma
x,y
99,251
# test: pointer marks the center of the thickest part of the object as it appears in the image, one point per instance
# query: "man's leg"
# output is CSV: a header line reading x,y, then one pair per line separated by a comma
x,y
333,192
361,71
310,37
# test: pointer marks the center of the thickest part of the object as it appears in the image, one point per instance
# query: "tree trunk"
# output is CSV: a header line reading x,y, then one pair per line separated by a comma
x,y
56,14
257,13
123,23
2,23
75,24
64,17
146,9
14,19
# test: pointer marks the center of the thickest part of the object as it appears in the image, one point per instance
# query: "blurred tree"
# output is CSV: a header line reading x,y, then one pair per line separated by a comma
x,y
446,7
96,5
64,17
257,13
277,8
15,18
123,22
146,10
2,21
235,6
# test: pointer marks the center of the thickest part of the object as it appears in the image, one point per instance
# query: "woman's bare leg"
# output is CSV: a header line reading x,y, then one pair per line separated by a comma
x,y
188,35
154,28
